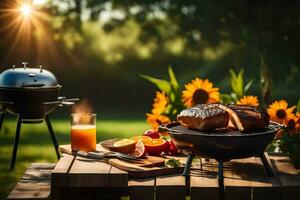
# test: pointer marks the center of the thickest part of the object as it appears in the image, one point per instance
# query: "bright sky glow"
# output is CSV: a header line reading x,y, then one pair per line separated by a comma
x,y
25,10
39,2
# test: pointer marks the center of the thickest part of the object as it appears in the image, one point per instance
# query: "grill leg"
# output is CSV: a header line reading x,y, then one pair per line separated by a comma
x,y
266,164
1,119
221,180
220,174
16,143
186,171
53,138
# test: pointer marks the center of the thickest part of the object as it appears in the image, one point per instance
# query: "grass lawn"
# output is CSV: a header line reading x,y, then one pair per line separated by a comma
x,y
35,144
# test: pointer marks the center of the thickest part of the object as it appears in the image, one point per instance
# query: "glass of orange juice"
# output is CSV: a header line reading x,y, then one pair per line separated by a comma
x,y
83,132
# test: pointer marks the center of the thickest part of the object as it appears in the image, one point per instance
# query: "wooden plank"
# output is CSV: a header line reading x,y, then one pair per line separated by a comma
x,y
118,178
28,190
141,189
88,173
35,184
39,171
204,182
270,187
288,176
249,180
170,187
236,181
59,173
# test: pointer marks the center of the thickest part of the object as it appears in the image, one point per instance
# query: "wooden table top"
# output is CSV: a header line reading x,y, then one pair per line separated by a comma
x,y
243,179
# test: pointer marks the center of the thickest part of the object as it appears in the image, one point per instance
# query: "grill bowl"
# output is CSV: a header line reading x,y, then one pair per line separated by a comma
x,y
222,145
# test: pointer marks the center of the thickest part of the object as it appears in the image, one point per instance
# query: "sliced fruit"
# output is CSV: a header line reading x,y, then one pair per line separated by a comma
x,y
155,146
173,150
124,145
167,147
139,150
152,133
141,138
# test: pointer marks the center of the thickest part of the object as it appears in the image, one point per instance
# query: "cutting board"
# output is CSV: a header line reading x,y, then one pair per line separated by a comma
x,y
151,166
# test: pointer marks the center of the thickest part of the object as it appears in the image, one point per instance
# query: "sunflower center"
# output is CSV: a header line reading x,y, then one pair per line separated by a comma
x,y
200,96
280,114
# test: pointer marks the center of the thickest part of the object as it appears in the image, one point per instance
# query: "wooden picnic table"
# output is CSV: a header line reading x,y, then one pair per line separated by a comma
x,y
80,178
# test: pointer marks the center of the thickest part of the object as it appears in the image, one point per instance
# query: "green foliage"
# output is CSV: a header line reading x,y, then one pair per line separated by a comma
x,y
173,79
161,84
173,163
237,83
172,89
298,106
290,144
238,89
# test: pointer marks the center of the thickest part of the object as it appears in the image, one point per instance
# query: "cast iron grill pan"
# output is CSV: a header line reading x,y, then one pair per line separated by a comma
x,y
222,144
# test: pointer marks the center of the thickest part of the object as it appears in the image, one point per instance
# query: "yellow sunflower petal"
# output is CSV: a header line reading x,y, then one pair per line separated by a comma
x,y
283,104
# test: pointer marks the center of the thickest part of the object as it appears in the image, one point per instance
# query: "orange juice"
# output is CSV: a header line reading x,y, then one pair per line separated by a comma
x,y
83,137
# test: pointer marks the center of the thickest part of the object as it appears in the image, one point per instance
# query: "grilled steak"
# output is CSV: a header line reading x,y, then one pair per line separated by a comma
x,y
212,116
249,117
204,117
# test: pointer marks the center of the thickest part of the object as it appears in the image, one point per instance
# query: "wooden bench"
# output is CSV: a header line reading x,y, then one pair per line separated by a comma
x,y
79,178
35,184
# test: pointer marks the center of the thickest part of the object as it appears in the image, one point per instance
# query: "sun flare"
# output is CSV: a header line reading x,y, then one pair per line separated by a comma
x,y
25,10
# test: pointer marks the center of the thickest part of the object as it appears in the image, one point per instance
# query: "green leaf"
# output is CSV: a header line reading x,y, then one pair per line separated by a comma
x,y
162,84
237,82
173,163
173,79
249,84
298,106
225,98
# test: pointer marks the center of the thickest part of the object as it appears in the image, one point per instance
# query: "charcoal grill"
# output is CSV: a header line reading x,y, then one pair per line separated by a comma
x,y
222,145
31,94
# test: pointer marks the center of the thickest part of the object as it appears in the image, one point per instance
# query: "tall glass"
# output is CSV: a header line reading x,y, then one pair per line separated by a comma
x,y
83,132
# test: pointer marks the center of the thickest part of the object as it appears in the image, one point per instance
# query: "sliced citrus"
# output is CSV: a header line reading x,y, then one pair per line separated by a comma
x,y
123,142
155,146
141,138
139,150
124,145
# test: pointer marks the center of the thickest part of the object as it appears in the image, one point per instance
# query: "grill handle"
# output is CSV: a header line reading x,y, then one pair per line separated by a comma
x,y
62,101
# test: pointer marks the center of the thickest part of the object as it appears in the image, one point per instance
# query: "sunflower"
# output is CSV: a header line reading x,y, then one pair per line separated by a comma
x,y
291,123
160,102
279,112
156,119
248,100
200,91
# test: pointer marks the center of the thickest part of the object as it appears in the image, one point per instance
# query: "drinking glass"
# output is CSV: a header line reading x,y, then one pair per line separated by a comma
x,y
83,132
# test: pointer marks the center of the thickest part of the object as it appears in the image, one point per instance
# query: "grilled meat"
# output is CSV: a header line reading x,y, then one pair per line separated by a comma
x,y
248,117
212,116
204,117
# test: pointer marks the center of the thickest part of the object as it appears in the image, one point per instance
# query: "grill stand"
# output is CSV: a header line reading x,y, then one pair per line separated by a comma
x,y
17,136
186,171
1,118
